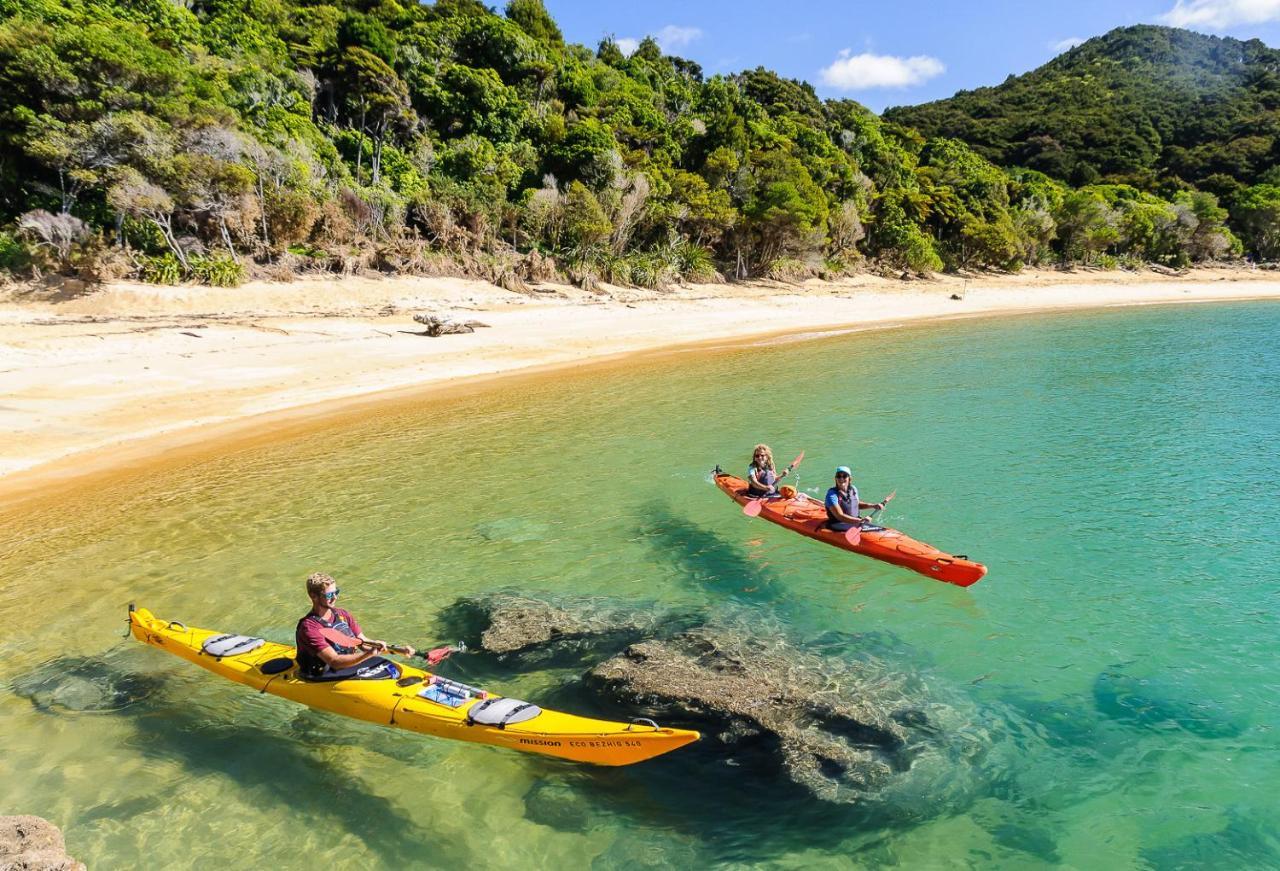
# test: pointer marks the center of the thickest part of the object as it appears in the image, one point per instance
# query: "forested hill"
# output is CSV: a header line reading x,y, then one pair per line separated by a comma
x,y
210,140
1155,107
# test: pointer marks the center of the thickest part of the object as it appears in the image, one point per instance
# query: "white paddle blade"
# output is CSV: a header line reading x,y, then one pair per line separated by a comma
x,y
753,508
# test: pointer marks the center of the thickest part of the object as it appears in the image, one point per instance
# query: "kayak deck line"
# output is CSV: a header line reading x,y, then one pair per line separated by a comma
x,y
808,517
400,703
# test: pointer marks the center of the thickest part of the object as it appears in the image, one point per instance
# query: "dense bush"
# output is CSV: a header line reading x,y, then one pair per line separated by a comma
x,y
206,140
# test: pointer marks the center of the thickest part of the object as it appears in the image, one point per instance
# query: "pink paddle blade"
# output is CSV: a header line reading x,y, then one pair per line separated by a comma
x,y
753,508
853,535
796,461
340,638
434,657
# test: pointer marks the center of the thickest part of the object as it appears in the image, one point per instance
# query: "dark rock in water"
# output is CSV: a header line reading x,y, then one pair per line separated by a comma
x,y
828,736
559,806
659,851
124,810
33,844
513,529
1241,843
506,624
1058,723
832,717
1152,703
83,684
1026,839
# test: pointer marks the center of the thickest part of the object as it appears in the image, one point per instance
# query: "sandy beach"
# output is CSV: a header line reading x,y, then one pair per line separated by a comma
x,y
121,374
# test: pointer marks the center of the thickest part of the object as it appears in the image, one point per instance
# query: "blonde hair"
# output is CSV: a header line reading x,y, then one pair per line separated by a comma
x,y
768,456
316,583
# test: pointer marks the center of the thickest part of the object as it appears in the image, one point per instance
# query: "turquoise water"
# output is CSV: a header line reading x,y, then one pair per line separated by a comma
x,y
1115,671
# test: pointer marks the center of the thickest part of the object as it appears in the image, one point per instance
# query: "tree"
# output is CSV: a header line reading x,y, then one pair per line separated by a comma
x,y
1257,212
783,207
377,101
136,196
1209,238
586,226
533,19
1087,225
59,234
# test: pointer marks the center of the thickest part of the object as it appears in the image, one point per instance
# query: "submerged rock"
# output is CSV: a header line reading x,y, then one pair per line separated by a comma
x,y
507,624
559,806
1244,842
513,529
836,737
83,684
1154,703
831,717
33,844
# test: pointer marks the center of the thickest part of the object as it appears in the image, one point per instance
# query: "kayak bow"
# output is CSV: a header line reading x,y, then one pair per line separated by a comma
x,y
417,701
808,517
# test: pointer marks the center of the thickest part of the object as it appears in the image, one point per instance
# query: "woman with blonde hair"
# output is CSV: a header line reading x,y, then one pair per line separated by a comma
x,y
762,480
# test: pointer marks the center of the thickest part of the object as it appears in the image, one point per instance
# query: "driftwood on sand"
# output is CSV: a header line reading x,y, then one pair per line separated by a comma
x,y
438,326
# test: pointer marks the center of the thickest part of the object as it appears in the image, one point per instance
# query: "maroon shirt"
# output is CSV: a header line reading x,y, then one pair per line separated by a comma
x,y
311,641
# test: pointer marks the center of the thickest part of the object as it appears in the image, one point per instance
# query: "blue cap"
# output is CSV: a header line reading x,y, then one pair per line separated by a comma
x,y
843,470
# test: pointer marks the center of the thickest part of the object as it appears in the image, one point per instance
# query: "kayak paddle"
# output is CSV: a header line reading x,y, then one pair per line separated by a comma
x,y
752,508
884,502
433,657
854,533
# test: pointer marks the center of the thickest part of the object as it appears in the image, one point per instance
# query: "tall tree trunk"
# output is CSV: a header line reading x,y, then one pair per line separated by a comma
x,y
262,208
226,234
360,146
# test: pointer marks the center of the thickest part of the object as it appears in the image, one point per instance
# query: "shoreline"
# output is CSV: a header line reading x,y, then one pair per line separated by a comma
x,y
134,377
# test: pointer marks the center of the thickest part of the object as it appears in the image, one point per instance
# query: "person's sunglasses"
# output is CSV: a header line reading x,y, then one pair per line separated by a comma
x,y
329,597
842,477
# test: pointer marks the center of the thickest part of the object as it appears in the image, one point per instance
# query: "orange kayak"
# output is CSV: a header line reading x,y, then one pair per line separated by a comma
x,y
808,517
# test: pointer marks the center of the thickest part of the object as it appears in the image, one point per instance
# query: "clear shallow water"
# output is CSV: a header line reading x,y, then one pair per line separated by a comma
x,y
1117,471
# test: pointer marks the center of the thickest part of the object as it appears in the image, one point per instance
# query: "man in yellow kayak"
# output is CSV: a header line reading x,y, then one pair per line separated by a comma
x,y
320,657
843,505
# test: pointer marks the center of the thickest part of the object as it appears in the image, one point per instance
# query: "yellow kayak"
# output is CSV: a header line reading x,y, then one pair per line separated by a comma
x,y
413,699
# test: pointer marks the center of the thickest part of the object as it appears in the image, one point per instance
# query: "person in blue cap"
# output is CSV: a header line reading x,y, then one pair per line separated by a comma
x,y
843,505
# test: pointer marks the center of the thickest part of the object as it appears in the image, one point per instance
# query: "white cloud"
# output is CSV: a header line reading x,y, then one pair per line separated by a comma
x,y
1065,44
669,38
858,72
1221,14
673,36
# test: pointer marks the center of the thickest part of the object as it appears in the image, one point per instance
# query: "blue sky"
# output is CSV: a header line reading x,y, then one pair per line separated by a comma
x,y
893,53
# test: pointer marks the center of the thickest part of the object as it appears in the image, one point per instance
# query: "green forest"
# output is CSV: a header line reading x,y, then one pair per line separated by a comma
x,y
228,139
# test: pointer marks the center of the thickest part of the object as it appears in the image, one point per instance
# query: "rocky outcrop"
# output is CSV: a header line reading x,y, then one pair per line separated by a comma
x,y
831,715
1160,703
838,738
513,624
33,844
77,684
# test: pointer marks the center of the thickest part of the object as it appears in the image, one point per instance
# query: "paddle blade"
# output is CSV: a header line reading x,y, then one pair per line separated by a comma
x,y
853,535
797,460
339,638
753,508
435,657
